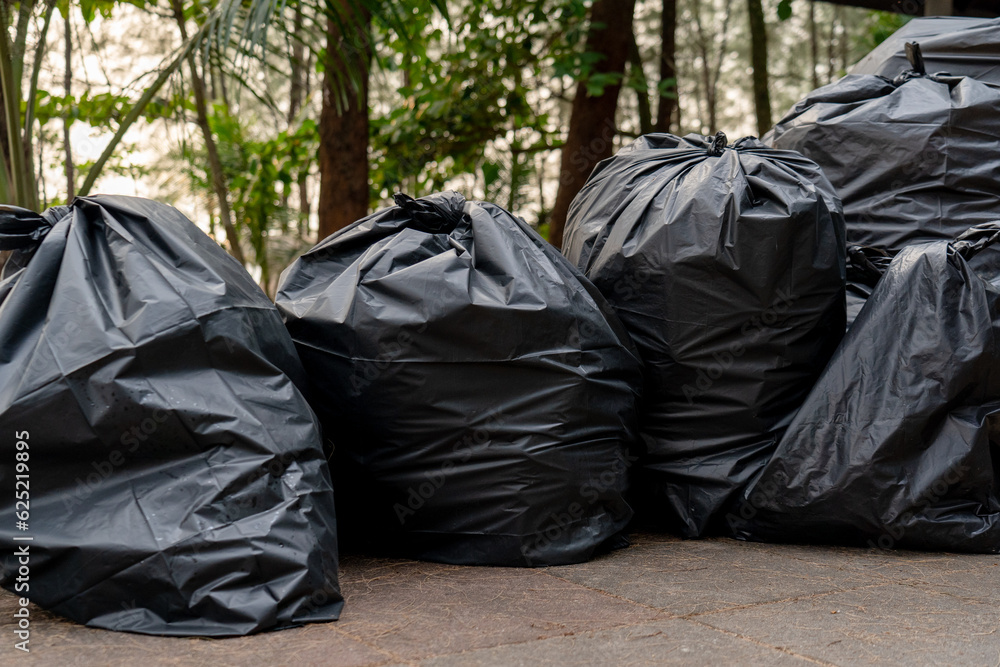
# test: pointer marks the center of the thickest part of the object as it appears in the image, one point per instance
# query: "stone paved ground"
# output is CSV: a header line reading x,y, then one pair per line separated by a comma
x,y
661,601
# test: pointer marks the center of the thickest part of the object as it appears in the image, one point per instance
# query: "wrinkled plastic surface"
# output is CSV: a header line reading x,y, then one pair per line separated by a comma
x,y
479,391
912,160
727,267
177,479
893,446
865,267
956,45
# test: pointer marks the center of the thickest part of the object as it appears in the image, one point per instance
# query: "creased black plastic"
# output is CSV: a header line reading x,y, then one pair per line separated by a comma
x,y
897,444
479,392
177,479
957,45
865,267
728,271
912,159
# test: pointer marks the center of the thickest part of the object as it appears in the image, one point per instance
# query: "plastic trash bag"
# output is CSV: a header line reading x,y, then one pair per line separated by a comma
x,y
956,45
726,265
912,159
898,444
174,479
479,392
865,267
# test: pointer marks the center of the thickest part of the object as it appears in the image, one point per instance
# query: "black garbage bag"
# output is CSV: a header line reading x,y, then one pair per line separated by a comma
x,y
865,267
172,475
478,391
726,265
960,46
912,158
898,444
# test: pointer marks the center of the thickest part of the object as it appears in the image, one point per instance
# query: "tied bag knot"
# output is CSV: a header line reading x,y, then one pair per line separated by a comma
x,y
437,214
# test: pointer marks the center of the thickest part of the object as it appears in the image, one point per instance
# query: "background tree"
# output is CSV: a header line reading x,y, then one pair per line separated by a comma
x,y
343,125
591,132
761,81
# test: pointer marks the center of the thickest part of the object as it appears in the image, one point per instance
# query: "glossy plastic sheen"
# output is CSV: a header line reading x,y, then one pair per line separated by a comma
x,y
956,45
912,160
478,391
177,480
727,268
893,448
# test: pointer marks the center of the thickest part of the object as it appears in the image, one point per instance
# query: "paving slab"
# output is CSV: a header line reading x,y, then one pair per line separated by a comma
x,y
56,641
899,624
416,610
660,601
671,642
688,576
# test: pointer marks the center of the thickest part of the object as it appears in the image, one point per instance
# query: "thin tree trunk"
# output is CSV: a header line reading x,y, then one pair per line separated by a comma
x,y
214,162
706,83
305,204
297,87
813,44
758,51
592,119
831,61
842,40
68,88
712,71
668,68
641,86
296,95
343,124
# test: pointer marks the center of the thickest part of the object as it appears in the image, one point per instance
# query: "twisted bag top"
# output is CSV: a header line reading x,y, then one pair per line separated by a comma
x,y
962,46
479,392
726,264
913,158
178,484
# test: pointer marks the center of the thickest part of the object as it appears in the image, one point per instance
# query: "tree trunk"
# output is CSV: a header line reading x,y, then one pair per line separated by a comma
x,y
68,88
831,62
638,75
668,67
296,96
813,44
842,40
343,124
214,162
592,119
711,70
758,51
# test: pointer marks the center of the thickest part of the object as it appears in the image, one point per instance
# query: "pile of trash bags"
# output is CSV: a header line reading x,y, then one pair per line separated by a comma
x,y
479,393
961,46
727,266
892,448
159,453
479,398
906,156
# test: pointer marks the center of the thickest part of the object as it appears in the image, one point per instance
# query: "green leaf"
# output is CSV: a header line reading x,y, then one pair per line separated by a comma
x,y
784,10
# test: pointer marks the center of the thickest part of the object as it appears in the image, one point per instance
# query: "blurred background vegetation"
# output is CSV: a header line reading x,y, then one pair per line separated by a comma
x,y
274,123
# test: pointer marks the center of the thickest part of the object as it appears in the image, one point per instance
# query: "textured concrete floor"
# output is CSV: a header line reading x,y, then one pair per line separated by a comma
x,y
661,601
